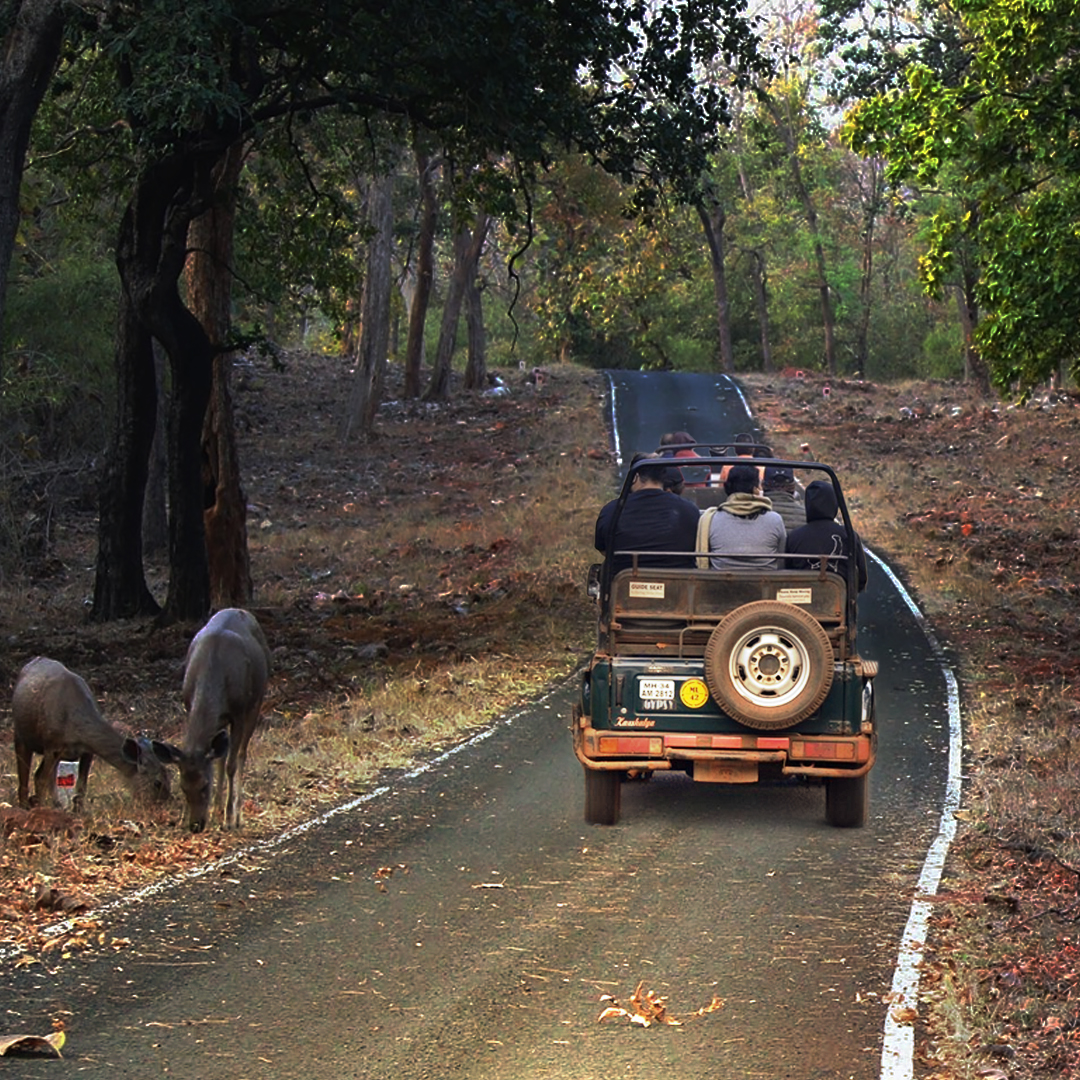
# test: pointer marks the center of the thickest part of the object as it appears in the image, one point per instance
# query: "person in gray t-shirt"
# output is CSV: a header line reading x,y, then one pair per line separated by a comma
x,y
745,529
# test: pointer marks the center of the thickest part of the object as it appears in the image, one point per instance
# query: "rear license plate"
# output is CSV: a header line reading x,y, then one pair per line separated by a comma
x,y
726,772
656,689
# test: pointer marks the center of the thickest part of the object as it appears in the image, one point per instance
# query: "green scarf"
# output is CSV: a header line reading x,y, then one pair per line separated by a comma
x,y
743,504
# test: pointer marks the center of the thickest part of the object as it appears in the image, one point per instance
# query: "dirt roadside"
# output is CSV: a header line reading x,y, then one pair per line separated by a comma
x,y
974,503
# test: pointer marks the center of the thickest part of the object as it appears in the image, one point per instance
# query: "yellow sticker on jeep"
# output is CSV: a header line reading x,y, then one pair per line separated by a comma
x,y
693,693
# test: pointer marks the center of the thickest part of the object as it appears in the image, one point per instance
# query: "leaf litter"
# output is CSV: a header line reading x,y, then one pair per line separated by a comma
x,y
646,1007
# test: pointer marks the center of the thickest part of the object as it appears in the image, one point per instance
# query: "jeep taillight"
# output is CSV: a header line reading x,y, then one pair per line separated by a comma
x,y
629,744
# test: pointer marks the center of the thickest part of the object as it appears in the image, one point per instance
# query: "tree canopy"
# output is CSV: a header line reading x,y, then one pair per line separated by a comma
x,y
501,87
1005,130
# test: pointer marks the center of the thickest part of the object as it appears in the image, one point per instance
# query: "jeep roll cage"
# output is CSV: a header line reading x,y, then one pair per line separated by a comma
x,y
715,456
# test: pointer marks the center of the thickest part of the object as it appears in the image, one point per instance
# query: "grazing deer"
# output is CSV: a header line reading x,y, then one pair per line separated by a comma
x,y
55,715
225,676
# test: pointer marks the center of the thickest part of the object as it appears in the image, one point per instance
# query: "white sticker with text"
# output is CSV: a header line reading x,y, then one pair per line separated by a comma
x,y
654,590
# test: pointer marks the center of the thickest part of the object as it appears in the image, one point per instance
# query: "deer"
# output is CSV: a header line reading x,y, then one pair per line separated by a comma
x,y
55,715
225,675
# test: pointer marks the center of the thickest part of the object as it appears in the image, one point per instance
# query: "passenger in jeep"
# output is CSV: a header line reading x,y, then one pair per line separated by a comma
x,y
821,535
745,528
652,520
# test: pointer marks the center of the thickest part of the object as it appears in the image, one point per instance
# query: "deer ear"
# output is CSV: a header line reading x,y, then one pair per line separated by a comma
x,y
219,744
131,751
165,752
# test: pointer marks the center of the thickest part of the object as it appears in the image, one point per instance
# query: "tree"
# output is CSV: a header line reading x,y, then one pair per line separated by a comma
x,y
209,273
710,210
468,243
31,33
877,56
375,335
1004,125
428,215
194,82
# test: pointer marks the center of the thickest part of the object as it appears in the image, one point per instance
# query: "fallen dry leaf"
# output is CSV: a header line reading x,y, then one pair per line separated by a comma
x,y
48,1045
648,1008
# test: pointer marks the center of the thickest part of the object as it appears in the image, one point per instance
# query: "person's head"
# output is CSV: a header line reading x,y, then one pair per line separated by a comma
x,y
821,503
744,444
678,438
741,478
673,481
649,476
778,478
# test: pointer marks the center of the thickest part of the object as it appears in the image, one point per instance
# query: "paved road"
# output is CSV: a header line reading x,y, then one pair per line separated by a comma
x,y
507,918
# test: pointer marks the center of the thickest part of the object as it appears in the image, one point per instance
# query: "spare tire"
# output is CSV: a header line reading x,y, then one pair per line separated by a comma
x,y
769,664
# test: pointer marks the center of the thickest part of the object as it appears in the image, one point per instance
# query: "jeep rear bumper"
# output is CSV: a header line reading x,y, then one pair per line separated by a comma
x,y
730,758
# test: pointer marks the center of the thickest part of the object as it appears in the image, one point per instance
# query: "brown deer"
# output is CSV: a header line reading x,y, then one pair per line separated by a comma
x,y
225,676
55,715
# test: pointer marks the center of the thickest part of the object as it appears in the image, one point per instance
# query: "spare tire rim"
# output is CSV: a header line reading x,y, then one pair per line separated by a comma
x,y
769,667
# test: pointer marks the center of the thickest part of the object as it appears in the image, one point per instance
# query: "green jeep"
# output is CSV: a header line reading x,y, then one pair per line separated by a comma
x,y
733,676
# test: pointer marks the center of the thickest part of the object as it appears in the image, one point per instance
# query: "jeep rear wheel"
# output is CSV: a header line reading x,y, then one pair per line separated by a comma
x,y
769,664
847,801
603,796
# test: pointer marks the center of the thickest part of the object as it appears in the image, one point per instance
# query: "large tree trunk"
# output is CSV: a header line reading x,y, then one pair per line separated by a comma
x,y
476,365
150,257
467,248
120,589
359,419
209,292
759,279
713,220
28,55
425,272
155,517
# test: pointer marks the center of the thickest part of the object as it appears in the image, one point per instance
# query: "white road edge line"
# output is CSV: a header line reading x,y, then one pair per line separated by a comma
x,y
148,891
614,426
898,1048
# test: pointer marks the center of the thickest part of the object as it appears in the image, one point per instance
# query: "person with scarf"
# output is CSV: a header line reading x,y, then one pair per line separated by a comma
x,y
745,530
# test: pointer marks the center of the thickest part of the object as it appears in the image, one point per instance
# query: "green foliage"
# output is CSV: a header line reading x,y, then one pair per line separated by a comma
x,y
942,353
1002,132
58,377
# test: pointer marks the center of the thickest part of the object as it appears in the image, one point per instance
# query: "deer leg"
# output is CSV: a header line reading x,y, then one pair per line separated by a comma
x,y
237,764
45,779
85,761
219,786
23,757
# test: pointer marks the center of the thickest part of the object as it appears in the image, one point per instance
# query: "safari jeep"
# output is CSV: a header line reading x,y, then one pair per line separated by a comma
x,y
731,676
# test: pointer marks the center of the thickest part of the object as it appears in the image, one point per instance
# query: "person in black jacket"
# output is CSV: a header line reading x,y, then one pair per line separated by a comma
x,y
652,520
822,535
